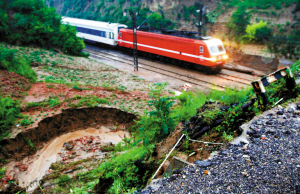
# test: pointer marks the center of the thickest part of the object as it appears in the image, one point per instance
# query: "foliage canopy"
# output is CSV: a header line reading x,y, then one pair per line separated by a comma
x,y
27,22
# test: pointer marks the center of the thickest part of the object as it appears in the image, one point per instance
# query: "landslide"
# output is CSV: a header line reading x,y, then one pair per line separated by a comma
x,y
26,143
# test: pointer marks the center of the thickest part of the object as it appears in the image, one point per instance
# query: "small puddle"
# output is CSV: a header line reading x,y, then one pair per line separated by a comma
x,y
39,164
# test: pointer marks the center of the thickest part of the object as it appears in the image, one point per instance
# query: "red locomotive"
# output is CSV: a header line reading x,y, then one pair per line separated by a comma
x,y
208,54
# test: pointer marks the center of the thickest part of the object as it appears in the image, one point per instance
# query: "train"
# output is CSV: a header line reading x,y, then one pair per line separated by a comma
x,y
204,53
96,31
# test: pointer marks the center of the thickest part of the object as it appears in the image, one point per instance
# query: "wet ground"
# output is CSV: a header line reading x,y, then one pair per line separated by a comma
x,y
231,79
67,148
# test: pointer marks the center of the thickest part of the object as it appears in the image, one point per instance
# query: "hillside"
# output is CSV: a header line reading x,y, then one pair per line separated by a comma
x,y
181,13
76,119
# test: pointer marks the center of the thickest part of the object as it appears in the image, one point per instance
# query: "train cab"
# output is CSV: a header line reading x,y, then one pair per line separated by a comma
x,y
216,51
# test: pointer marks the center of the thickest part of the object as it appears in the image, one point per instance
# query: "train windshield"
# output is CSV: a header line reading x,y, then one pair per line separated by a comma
x,y
216,49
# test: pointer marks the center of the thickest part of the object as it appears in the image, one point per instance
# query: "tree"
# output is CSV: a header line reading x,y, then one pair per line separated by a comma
x,y
239,20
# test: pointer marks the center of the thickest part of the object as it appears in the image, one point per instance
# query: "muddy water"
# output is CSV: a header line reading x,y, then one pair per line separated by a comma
x,y
42,160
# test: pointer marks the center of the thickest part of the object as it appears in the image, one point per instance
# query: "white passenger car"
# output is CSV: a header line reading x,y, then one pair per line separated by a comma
x,y
95,31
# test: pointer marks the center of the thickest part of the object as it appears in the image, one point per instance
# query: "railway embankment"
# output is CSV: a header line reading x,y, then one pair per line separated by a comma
x,y
267,160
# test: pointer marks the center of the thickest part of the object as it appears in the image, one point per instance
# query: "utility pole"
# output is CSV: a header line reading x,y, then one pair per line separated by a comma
x,y
200,19
201,10
135,56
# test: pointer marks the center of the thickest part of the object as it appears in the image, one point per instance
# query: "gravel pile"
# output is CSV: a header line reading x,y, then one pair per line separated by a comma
x,y
270,163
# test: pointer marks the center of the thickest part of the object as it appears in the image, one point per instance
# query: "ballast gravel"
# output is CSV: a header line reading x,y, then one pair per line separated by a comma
x,y
270,163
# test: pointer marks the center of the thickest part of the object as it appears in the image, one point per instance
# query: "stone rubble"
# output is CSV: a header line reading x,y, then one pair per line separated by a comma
x,y
270,163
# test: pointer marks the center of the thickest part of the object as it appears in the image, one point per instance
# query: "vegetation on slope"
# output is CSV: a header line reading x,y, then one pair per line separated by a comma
x,y
31,22
9,60
9,112
280,39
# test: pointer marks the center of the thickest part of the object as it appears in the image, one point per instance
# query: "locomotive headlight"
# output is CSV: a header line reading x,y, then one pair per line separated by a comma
x,y
225,57
214,59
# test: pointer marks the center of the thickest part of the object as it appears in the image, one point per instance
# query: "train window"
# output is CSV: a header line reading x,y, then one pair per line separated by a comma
x,y
111,35
201,49
121,35
221,48
213,49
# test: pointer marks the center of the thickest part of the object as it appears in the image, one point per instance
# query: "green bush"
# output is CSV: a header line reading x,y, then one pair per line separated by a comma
x,y
239,20
158,123
257,31
35,23
285,45
2,172
9,60
9,112
188,105
124,170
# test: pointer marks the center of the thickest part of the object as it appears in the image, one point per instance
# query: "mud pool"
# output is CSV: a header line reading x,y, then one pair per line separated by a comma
x,y
35,167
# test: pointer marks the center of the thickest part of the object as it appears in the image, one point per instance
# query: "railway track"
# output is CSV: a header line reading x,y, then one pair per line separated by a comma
x,y
158,69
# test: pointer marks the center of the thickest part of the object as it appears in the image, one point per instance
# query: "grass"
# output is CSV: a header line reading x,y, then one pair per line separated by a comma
x,y
9,112
11,61
52,101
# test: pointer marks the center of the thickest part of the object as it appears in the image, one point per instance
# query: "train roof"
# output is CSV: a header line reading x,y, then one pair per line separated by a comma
x,y
178,33
91,23
166,36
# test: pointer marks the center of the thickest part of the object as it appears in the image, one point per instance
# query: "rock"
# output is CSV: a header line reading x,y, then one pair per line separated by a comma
x,y
177,171
244,174
280,112
46,185
256,135
68,146
270,130
251,132
287,132
244,127
297,189
258,122
291,110
172,178
202,163
297,112
269,122
68,171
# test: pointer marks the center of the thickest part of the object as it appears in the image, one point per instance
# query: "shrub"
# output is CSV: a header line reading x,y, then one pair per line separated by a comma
x,y
2,172
212,16
9,111
10,61
126,170
258,31
35,23
157,124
